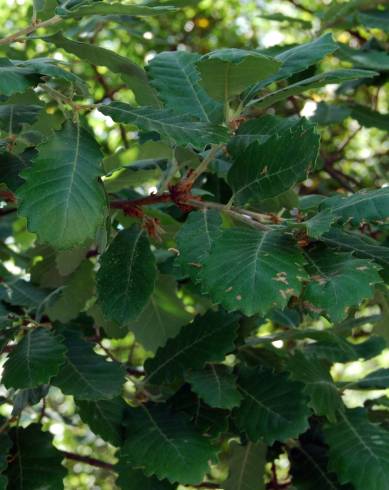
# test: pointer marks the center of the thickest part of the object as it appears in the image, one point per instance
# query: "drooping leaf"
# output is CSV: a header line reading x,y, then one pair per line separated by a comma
x,y
132,74
177,128
14,79
253,271
297,59
361,206
104,417
13,116
126,277
86,375
246,467
62,199
316,81
216,386
11,166
369,118
365,462
319,386
34,463
208,339
162,317
35,360
176,78
361,246
165,445
338,281
101,8
73,296
28,398
228,72
273,407
271,168
195,239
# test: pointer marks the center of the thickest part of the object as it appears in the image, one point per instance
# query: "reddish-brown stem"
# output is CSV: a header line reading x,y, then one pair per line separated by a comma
x,y
88,460
143,201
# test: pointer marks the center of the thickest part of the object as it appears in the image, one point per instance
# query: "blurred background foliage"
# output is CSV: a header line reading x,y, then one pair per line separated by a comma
x,y
354,151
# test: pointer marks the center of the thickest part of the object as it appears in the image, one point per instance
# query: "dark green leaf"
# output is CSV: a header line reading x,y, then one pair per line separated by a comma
x,y
208,339
165,445
101,8
126,277
273,407
246,467
87,376
35,360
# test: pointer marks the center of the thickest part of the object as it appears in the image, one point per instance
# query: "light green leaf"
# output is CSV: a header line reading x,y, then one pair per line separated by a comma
x,y
101,8
86,375
216,385
176,128
361,206
72,298
62,199
246,467
176,78
273,407
132,74
195,239
338,281
36,359
126,277
207,339
228,72
319,386
317,81
253,271
365,462
162,317
67,261
164,445
34,462
271,168
104,417
297,59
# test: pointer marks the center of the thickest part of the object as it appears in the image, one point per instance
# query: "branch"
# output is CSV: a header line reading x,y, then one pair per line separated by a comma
x,y
20,36
87,460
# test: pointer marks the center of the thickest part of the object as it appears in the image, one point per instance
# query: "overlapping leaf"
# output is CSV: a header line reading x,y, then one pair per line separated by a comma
x,y
165,445
35,360
338,281
264,170
176,128
273,407
62,199
208,339
253,271
175,77
247,467
86,375
359,451
195,239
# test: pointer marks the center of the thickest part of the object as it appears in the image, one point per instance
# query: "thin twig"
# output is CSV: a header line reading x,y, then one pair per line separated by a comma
x,y
23,33
88,460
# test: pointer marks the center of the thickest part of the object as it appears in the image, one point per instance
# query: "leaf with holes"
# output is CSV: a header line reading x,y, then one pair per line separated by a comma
x,y
253,271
